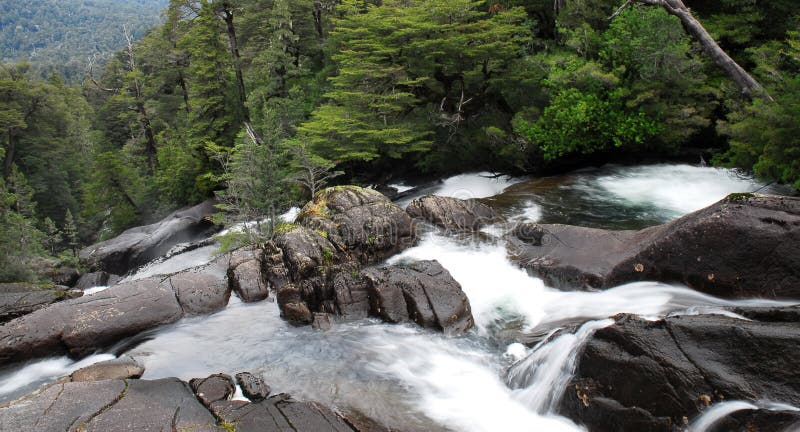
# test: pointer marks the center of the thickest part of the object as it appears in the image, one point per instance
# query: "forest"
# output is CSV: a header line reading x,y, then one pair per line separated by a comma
x,y
259,102
69,36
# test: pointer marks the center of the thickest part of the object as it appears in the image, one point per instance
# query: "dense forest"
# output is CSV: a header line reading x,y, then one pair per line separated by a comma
x,y
68,36
258,102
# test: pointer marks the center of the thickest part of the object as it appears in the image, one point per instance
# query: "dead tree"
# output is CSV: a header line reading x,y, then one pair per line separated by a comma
x,y
749,86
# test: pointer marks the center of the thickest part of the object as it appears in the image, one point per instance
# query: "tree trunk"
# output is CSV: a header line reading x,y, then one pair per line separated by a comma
x,y
227,16
749,86
185,90
151,149
10,153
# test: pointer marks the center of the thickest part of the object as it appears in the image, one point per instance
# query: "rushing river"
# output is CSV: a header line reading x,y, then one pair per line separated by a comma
x,y
413,379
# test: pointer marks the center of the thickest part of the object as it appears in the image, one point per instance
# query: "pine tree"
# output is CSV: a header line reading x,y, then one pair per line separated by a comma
x,y
53,236
71,233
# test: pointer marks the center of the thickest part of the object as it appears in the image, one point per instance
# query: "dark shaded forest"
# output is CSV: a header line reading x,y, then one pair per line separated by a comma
x,y
258,102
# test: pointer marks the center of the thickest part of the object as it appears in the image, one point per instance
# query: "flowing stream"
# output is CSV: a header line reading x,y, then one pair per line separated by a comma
x,y
413,379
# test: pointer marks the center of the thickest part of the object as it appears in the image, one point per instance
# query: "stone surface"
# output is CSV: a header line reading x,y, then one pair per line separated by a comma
x,y
453,213
253,386
280,414
138,246
245,276
322,322
423,292
123,367
361,221
215,388
17,300
639,375
65,276
744,245
84,325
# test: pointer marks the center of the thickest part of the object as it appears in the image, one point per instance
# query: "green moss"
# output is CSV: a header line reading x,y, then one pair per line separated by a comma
x,y
285,227
738,197
327,257
228,427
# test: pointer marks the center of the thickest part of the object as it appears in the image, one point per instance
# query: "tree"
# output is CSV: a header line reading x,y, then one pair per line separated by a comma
x,y
53,236
71,233
749,86
311,171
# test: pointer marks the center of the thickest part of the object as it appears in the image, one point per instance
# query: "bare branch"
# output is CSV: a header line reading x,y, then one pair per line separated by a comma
x,y
621,8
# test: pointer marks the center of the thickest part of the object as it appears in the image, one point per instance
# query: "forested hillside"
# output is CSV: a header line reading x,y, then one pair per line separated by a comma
x,y
66,35
256,101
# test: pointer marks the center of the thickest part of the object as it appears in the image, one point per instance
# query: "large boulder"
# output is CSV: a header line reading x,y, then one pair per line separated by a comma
x,y
453,213
423,292
123,367
17,300
744,245
245,275
360,221
84,325
140,245
640,375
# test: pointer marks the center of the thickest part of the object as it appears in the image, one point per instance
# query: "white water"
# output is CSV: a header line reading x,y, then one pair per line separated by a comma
x,y
720,411
466,186
678,189
45,370
409,378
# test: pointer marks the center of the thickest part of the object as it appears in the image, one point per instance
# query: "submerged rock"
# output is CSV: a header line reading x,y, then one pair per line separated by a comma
x,y
123,367
453,213
640,375
744,245
138,246
17,300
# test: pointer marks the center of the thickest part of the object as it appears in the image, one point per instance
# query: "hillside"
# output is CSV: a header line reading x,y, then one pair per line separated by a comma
x,y
65,35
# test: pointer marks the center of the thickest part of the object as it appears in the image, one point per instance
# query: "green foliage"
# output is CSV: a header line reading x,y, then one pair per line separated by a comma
x,y
584,123
20,241
60,36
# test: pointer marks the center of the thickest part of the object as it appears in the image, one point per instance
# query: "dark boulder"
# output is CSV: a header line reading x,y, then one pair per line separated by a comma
x,y
744,245
453,213
423,292
140,245
110,405
17,300
212,389
253,386
123,367
639,375
96,279
83,325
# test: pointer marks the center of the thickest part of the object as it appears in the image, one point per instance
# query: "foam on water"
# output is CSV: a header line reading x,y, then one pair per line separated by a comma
x,y
678,189
466,186
32,374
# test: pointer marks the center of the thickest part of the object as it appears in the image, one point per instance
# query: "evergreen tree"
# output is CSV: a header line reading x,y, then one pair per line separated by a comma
x,y
53,236
71,233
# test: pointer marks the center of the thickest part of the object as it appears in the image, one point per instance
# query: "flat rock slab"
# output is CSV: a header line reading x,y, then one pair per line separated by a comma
x,y
743,246
17,300
280,414
123,367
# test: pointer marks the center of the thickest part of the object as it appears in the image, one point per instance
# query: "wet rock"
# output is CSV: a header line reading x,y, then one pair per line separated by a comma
x,y
96,279
123,367
744,245
81,326
215,388
111,405
363,222
280,413
253,386
453,213
200,292
322,321
351,294
17,300
245,275
640,375
65,276
423,292
139,245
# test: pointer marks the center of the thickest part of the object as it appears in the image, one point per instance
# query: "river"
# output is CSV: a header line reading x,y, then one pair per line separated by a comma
x,y
409,378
